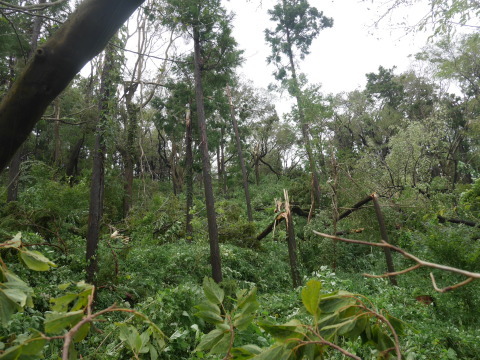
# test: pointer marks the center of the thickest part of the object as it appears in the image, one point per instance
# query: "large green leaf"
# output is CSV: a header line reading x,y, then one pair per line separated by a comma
x,y
274,353
61,303
336,302
210,317
222,346
290,330
7,308
56,322
208,341
311,296
36,260
245,352
29,349
212,291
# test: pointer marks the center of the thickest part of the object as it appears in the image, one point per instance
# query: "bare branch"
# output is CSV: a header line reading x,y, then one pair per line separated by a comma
x,y
35,7
420,263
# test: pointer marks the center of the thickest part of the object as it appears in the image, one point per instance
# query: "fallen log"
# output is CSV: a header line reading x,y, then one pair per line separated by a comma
x,y
443,220
355,207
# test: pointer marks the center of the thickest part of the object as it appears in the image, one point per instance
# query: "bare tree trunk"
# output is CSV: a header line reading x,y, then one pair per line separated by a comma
x,y
292,244
188,176
207,177
240,156
130,147
383,233
222,159
57,151
98,174
54,65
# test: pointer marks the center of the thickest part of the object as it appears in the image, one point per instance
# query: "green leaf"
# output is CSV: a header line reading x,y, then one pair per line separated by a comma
x,y
210,317
82,333
61,303
290,330
209,340
336,302
212,291
244,300
396,323
243,321
36,260
311,296
222,346
208,306
15,243
274,353
56,322
245,352
30,348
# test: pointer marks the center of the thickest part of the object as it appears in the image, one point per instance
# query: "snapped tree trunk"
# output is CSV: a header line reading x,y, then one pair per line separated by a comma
x,y
240,156
98,173
72,165
206,170
54,65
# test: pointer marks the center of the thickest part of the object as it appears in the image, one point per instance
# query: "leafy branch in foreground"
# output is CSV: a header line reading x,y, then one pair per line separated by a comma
x,y
420,263
333,317
71,317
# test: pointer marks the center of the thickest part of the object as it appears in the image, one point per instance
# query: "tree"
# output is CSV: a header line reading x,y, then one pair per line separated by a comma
x,y
214,49
297,25
54,65
98,173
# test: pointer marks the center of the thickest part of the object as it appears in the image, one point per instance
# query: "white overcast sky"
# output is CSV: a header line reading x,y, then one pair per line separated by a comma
x,y
340,56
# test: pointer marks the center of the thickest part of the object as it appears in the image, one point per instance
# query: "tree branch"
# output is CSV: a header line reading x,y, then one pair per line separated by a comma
x,y
420,263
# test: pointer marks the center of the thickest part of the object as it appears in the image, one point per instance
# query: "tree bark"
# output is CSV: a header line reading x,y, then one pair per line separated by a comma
x,y
72,165
383,233
206,170
98,173
292,244
188,176
54,65
355,207
240,156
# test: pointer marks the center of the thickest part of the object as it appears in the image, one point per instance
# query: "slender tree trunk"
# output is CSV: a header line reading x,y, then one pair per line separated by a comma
x,y
383,233
130,147
14,169
292,244
222,160
57,151
207,178
304,125
98,174
188,176
240,156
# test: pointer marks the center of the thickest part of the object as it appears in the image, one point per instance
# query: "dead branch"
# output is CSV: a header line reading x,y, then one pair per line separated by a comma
x,y
420,263
443,220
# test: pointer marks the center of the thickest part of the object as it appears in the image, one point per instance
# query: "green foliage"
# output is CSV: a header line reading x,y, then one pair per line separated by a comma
x,y
333,316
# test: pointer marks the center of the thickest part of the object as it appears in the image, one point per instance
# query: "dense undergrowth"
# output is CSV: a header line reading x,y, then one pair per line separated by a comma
x,y
148,264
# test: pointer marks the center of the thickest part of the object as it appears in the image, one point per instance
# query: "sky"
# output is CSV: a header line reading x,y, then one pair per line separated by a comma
x,y
340,56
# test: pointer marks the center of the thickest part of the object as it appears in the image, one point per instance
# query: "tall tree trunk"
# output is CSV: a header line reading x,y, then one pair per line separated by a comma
x,y
130,147
206,170
240,156
222,160
98,173
304,125
188,176
54,65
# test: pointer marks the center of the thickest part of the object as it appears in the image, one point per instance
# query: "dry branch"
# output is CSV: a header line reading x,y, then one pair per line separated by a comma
x,y
420,263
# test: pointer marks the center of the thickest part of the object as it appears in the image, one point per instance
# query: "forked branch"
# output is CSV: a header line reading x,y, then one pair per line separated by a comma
x,y
420,263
